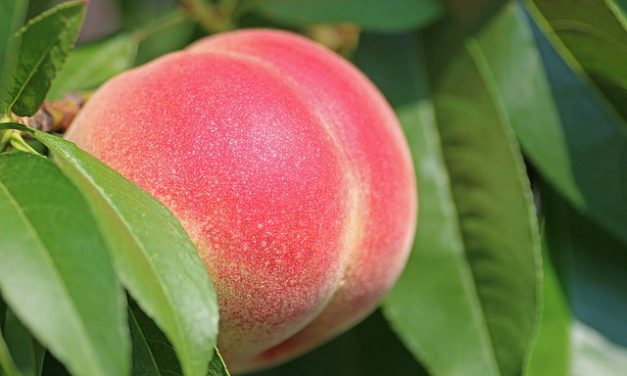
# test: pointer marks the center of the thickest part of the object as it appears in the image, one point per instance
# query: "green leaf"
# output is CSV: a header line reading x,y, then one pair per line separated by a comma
x,y
369,349
3,312
7,365
154,258
35,7
372,15
25,351
558,119
45,42
467,302
591,264
55,270
170,31
583,331
552,351
89,66
152,352
592,37
11,17
52,367
217,366
568,132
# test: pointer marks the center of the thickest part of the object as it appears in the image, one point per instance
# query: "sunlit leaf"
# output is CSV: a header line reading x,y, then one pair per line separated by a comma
x,y
55,270
154,258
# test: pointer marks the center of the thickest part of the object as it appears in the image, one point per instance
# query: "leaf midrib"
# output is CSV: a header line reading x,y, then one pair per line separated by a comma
x,y
29,78
470,285
64,288
138,245
37,65
572,62
479,59
468,273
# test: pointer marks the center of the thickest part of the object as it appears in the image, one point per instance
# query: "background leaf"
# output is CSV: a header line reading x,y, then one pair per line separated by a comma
x,y
154,258
467,301
60,285
584,333
569,134
152,352
25,351
592,37
3,312
595,355
573,137
168,32
52,367
45,42
552,351
7,365
89,66
369,349
372,15
217,366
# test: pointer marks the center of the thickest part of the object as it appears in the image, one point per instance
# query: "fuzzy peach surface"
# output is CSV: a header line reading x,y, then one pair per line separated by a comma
x,y
287,168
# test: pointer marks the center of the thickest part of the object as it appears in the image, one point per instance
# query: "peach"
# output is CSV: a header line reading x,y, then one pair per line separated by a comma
x,y
286,166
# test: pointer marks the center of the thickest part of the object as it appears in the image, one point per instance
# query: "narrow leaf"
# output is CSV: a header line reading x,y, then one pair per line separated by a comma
x,y
55,270
560,121
7,365
36,7
154,258
592,37
45,42
583,330
11,18
372,15
570,134
467,301
25,351
89,66
152,352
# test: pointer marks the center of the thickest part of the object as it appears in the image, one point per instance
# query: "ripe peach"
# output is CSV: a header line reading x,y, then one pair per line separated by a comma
x,y
287,168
